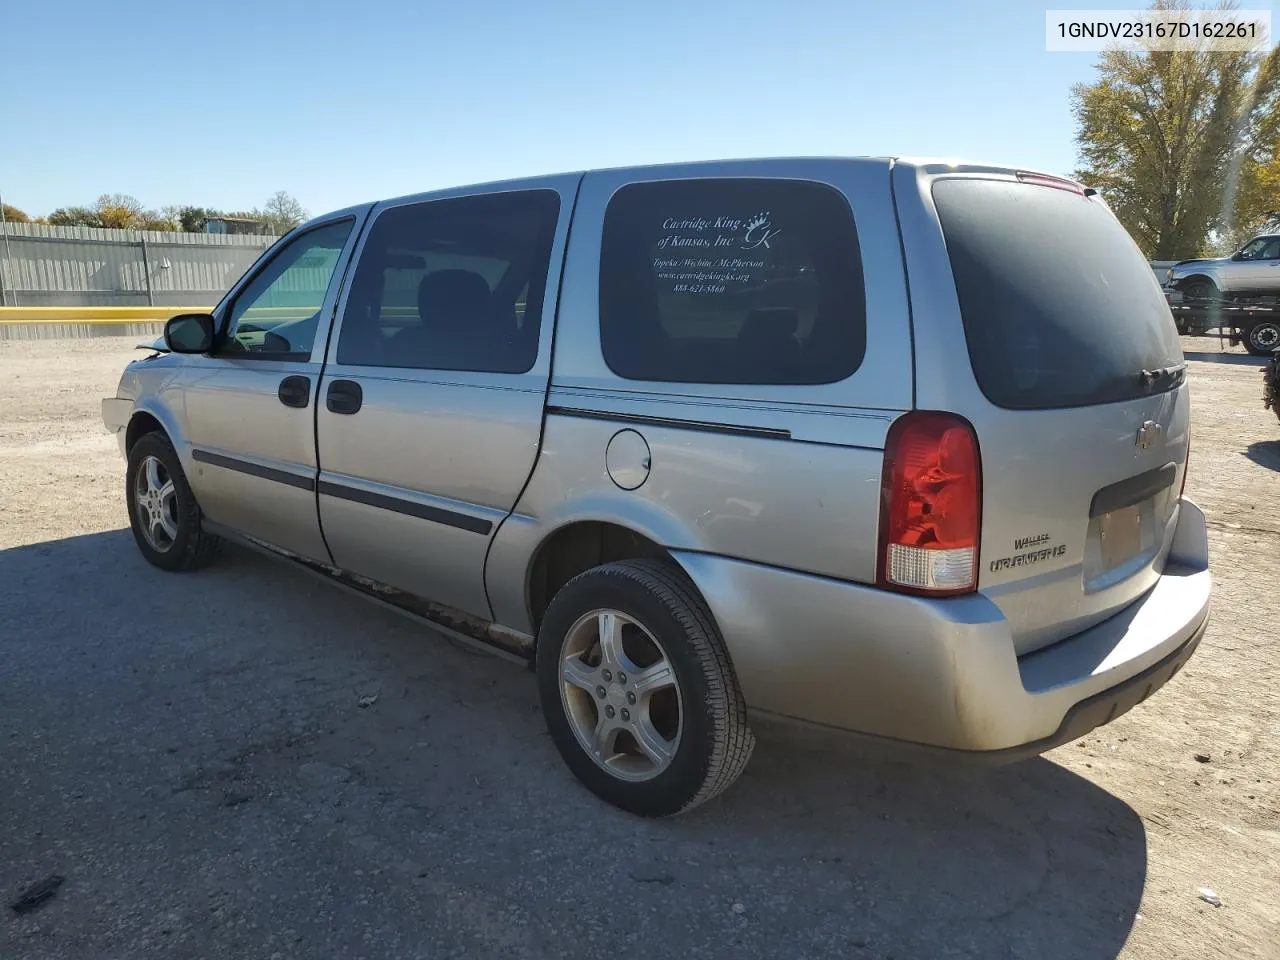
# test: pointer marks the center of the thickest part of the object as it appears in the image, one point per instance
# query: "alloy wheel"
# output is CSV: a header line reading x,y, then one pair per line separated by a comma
x,y
620,694
156,504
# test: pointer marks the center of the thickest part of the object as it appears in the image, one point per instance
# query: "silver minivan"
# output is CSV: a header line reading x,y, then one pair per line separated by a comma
x,y
871,446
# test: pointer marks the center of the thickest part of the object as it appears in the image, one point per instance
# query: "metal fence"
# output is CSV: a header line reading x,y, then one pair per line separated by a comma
x,y
44,266
87,266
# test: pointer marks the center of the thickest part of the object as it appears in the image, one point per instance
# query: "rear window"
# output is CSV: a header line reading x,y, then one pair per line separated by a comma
x,y
1060,308
746,281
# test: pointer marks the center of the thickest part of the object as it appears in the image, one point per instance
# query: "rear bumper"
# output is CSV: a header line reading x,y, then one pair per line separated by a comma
x,y
943,673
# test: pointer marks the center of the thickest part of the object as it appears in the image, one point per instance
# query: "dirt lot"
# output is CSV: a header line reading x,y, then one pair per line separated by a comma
x,y
189,753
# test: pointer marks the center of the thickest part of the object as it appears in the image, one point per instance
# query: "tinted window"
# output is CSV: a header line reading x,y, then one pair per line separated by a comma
x,y
452,284
731,281
1060,308
277,312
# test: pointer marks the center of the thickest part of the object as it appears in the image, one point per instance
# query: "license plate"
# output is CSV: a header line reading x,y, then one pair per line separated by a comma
x,y
1121,532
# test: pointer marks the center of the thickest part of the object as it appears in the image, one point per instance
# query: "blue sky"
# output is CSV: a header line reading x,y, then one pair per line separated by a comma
x,y
221,102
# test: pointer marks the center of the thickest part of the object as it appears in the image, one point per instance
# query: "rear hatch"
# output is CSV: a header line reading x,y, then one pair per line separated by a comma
x,y
1066,360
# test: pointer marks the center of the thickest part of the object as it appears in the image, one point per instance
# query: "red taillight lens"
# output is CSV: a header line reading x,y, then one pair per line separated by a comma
x,y
931,505
1058,183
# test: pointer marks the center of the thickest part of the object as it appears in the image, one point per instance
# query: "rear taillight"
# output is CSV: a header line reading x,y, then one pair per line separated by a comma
x,y
931,505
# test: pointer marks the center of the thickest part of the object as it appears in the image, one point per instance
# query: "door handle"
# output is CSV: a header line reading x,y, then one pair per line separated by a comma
x,y
344,396
295,391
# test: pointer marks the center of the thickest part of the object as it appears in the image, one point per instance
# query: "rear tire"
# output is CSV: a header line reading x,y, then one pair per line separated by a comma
x,y
663,642
1262,338
163,513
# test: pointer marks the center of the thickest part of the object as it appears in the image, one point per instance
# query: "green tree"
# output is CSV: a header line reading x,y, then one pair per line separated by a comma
x,y
1257,201
14,215
192,219
1176,140
74,217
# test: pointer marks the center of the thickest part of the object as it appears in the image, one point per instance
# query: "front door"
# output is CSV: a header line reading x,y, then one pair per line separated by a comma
x,y
431,403
250,405
1257,270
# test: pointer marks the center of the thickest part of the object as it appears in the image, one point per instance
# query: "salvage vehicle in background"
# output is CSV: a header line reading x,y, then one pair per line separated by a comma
x,y
1256,326
1239,294
825,444
1252,271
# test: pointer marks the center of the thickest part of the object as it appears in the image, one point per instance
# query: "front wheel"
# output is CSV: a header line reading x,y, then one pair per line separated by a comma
x,y
638,691
1262,338
1201,288
163,512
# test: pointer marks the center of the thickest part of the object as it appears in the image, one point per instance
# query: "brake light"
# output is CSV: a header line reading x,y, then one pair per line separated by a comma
x,y
930,505
1058,183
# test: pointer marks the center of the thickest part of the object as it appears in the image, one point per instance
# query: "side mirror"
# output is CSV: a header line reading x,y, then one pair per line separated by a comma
x,y
1238,255
189,333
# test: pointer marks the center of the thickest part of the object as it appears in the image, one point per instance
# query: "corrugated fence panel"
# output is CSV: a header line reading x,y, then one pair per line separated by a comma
x,y
86,266
133,236
189,269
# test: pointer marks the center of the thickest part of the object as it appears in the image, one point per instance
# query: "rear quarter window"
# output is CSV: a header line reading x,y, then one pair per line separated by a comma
x,y
742,281
1060,308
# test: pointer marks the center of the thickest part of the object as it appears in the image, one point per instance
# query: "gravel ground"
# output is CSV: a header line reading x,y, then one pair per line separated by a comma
x,y
189,753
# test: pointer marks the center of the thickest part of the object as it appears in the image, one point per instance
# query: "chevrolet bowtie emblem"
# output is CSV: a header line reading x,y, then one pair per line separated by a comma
x,y
1148,434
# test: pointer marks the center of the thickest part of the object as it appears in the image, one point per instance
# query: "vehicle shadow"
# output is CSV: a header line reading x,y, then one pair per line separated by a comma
x,y
1243,359
1265,453
300,753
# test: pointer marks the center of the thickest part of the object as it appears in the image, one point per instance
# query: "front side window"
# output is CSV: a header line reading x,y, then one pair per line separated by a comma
x,y
276,314
733,281
453,284
1263,248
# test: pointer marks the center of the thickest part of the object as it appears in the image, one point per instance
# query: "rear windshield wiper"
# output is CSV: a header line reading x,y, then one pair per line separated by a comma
x,y
1171,376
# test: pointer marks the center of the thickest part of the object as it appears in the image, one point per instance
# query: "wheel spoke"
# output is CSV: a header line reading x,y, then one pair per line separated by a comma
x,y
655,746
609,693
606,735
577,673
167,523
610,627
154,482
654,677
